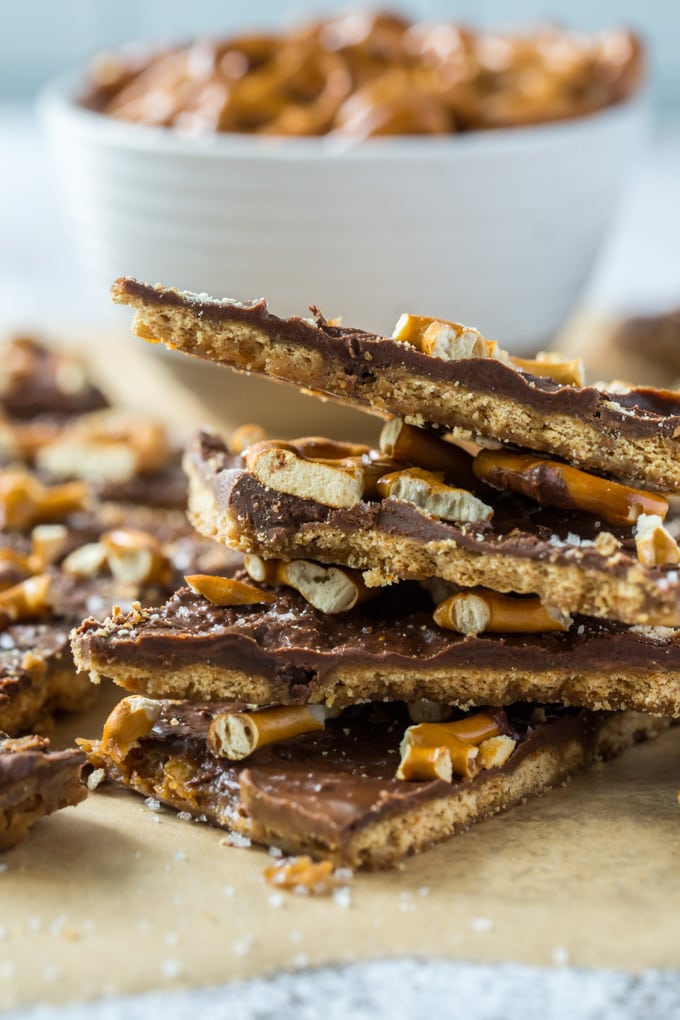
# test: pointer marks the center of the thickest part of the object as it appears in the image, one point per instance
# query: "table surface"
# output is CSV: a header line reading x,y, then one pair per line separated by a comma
x,y
639,270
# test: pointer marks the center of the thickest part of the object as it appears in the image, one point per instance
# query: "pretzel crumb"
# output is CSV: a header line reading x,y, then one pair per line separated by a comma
x,y
304,876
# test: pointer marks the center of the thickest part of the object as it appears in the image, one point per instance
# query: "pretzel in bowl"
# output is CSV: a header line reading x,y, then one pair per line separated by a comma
x,y
367,74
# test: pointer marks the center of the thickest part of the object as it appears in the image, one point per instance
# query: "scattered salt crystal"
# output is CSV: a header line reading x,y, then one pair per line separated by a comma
x,y
171,938
343,874
34,924
171,968
7,969
342,897
3,867
58,924
295,935
184,816
560,956
275,851
482,924
424,890
137,855
229,890
52,972
153,804
144,925
155,818
180,855
243,946
95,778
300,960
276,899
236,839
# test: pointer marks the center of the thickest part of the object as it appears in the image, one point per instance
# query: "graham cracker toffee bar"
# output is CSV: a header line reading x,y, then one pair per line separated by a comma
x,y
34,782
454,378
333,792
288,652
575,561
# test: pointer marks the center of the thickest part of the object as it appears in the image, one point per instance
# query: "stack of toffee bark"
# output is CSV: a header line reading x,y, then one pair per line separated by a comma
x,y
425,633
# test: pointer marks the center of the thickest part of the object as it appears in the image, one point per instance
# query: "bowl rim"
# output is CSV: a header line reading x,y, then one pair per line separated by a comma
x,y
57,104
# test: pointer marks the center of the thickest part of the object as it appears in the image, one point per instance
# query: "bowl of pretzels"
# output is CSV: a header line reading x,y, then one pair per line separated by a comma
x,y
363,162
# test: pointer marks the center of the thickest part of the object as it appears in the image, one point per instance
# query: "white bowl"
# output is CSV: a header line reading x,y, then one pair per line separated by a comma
x,y
496,229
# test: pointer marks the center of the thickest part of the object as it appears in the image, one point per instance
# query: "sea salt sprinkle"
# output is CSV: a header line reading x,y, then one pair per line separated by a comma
x,y
236,839
171,968
342,897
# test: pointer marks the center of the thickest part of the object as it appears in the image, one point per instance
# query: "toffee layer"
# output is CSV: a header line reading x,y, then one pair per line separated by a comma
x,y
563,556
388,649
634,436
333,794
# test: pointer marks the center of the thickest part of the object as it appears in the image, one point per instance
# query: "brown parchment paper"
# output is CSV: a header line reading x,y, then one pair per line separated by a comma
x,y
112,898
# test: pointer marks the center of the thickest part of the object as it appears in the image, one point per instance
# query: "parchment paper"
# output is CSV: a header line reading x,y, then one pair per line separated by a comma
x,y
111,897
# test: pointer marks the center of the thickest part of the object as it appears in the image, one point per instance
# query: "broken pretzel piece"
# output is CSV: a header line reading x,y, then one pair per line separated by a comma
x,y
131,719
226,591
235,735
424,764
553,366
495,751
655,546
245,436
332,482
26,600
452,341
135,556
556,484
25,501
423,448
48,542
302,875
110,445
462,740
484,610
328,589
441,338
427,491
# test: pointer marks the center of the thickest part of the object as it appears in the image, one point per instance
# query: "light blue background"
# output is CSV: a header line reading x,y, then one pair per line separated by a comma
x,y
39,38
